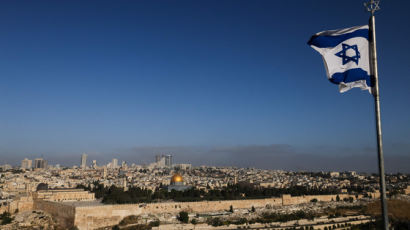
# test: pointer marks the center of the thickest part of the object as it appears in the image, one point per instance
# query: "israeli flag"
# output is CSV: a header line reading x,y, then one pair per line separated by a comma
x,y
345,53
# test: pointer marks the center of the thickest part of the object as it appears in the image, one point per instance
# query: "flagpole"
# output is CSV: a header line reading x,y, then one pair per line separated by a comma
x,y
373,6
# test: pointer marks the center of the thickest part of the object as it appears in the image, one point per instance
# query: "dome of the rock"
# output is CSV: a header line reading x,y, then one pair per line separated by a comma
x,y
176,178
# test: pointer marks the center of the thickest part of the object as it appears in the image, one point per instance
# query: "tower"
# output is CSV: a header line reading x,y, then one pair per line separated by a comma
x,y
114,163
40,163
105,172
26,163
157,158
168,160
84,161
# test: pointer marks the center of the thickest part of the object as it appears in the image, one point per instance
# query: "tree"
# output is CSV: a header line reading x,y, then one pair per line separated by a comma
x,y
5,218
337,198
194,221
215,222
183,217
231,209
154,223
253,209
314,200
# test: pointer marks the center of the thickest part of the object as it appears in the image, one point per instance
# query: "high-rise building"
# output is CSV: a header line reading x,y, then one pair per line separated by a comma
x,y
105,172
84,161
94,163
162,161
124,165
40,163
114,163
26,164
157,158
168,160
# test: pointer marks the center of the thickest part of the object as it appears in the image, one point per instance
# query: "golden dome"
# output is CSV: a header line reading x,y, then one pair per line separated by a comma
x,y
176,178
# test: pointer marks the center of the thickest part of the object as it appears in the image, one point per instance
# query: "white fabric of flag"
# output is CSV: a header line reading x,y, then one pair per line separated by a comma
x,y
345,53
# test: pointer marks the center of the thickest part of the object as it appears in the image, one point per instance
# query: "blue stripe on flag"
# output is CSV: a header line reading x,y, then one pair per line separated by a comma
x,y
351,75
324,41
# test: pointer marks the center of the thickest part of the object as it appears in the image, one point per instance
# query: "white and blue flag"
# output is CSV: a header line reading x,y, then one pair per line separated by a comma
x,y
345,53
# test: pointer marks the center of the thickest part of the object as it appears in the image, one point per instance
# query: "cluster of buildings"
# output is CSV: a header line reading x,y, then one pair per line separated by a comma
x,y
33,186
159,174
83,164
161,161
39,163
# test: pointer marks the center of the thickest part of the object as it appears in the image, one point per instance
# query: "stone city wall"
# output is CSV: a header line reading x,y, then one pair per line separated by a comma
x,y
209,206
24,204
62,213
99,216
290,200
92,217
65,195
21,204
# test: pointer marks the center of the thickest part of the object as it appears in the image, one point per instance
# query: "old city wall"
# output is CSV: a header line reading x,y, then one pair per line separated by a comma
x,y
290,200
209,206
63,214
24,204
99,216
21,204
92,217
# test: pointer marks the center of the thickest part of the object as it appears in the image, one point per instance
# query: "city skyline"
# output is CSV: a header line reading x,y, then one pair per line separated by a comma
x,y
284,158
215,79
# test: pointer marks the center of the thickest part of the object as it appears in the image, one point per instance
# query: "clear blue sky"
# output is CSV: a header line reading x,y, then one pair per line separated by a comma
x,y
104,76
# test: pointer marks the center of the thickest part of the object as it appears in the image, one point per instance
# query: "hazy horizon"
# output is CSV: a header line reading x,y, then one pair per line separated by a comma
x,y
274,157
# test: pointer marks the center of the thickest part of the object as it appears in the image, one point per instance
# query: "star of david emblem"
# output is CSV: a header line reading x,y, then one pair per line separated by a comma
x,y
346,58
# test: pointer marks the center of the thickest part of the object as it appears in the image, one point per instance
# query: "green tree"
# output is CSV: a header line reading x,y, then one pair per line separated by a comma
x,y
231,209
215,222
253,209
194,221
183,217
5,218
154,223
337,198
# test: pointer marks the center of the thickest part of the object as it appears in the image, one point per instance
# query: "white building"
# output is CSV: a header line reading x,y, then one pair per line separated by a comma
x,y
114,163
84,161
26,164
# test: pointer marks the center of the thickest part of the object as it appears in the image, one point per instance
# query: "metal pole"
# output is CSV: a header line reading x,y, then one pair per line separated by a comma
x,y
373,64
